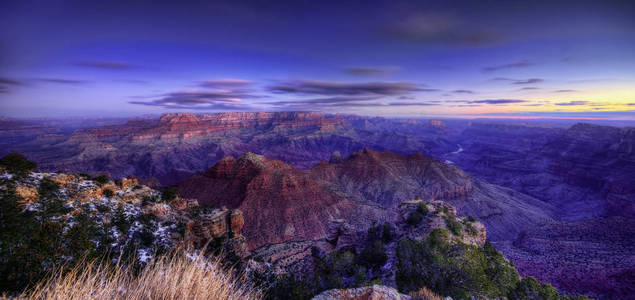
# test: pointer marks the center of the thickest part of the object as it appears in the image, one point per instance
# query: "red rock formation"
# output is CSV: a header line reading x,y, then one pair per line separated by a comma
x,y
387,178
281,203
285,204
217,224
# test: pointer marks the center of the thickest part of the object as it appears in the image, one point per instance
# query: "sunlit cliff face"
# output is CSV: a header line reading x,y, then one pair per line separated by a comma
x,y
558,59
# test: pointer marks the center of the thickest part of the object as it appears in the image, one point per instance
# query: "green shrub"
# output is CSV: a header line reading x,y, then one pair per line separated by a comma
x,y
453,225
103,208
385,233
17,164
108,193
339,269
373,256
471,219
471,230
422,208
52,204
529,289
288,287
501,272
169,194
101,179
457,270
414,218
120,220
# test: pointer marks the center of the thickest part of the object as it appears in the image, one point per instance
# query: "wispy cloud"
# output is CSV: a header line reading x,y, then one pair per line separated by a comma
x,y
439,28
5,82
412,104
572,103
62,81
317,87
219,94
371,71
520,81
463,92
529,81
515,65
228,83
326,100
529,88
107,65
498,101
196,100
565,91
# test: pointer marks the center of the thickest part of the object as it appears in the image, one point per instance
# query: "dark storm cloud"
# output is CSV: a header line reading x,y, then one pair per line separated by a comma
x,y
570,103
371,71
499,101
62,81
516,65
439,28
107,65
317,87
463,92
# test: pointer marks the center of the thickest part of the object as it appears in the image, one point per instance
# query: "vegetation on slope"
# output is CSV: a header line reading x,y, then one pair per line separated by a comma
x,y
42,227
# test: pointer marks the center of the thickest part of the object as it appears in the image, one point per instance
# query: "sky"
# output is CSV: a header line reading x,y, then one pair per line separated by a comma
x,y
522,59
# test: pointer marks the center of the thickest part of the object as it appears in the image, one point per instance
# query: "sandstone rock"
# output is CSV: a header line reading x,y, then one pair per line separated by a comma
x,y
183,203
28,194
374,292
218,224
342,235
157,209
127,183
336,157
62,179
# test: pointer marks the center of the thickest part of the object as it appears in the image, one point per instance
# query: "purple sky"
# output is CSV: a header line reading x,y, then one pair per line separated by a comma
x,y
391,58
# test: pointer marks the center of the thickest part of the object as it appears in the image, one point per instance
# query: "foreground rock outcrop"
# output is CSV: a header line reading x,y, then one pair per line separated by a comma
x,y
374,292
53,219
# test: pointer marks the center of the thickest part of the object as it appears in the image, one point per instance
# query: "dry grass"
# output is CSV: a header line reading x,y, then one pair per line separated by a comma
x,y
425,294
171,277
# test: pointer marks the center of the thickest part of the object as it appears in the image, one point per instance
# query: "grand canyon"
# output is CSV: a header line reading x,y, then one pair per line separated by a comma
x,y
555,200
317,150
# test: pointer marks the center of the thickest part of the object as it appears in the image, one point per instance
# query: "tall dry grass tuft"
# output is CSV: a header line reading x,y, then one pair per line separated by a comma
x,y
424,294
170,277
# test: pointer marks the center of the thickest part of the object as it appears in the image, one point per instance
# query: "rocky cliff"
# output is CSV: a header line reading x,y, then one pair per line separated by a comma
x,y
282,203
177,145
